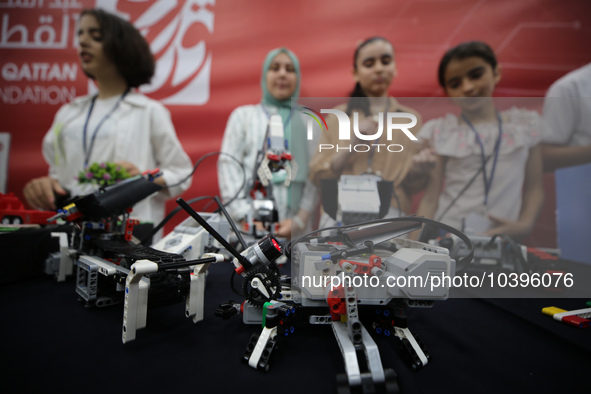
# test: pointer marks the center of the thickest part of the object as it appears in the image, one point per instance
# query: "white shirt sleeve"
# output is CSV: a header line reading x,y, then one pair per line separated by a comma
x,y
230,172
169,155
560,114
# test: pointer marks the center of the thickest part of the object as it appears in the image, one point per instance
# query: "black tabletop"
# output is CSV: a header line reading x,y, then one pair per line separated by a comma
x,y
52,342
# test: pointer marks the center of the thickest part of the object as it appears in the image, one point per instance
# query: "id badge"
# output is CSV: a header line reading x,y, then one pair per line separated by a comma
x,y
476,223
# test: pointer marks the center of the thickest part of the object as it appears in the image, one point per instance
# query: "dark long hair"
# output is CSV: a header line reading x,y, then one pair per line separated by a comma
x,y
355,103
125,47
463,51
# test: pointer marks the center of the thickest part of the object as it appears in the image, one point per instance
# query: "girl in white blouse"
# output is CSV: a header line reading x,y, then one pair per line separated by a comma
x,y
488,174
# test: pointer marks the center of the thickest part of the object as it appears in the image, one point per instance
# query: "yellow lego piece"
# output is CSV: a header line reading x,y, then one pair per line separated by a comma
x,y
552,310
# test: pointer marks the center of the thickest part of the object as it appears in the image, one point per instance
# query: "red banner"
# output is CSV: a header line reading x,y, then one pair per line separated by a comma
x,y
209,56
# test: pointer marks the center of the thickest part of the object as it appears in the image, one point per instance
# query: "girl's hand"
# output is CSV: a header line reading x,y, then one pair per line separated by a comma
x,y
367,126
514,229
39,193
423,162
130,167
421,166
284,229
293,226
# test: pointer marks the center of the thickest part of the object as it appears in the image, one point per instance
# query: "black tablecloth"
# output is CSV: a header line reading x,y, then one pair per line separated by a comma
x,y
52,342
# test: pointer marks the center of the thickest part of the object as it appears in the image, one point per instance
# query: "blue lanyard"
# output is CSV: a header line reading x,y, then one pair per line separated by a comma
x,y
88,151
487,179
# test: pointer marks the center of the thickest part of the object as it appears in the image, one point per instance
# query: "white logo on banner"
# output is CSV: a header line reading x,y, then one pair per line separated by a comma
x,y
177,32
34,34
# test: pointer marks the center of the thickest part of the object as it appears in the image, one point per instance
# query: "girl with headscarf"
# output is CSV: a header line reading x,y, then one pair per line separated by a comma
x,y
245,136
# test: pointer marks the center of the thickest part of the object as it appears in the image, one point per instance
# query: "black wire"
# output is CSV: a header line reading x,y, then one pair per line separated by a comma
x,y
481,169
468,184
176,210
397,201
454,251
238,293
422,220
199,162
206,206
231,222
209,155
515,249
242,185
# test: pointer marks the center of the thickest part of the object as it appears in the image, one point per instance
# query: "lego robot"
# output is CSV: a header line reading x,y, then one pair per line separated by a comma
x,y
272,160
327,276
